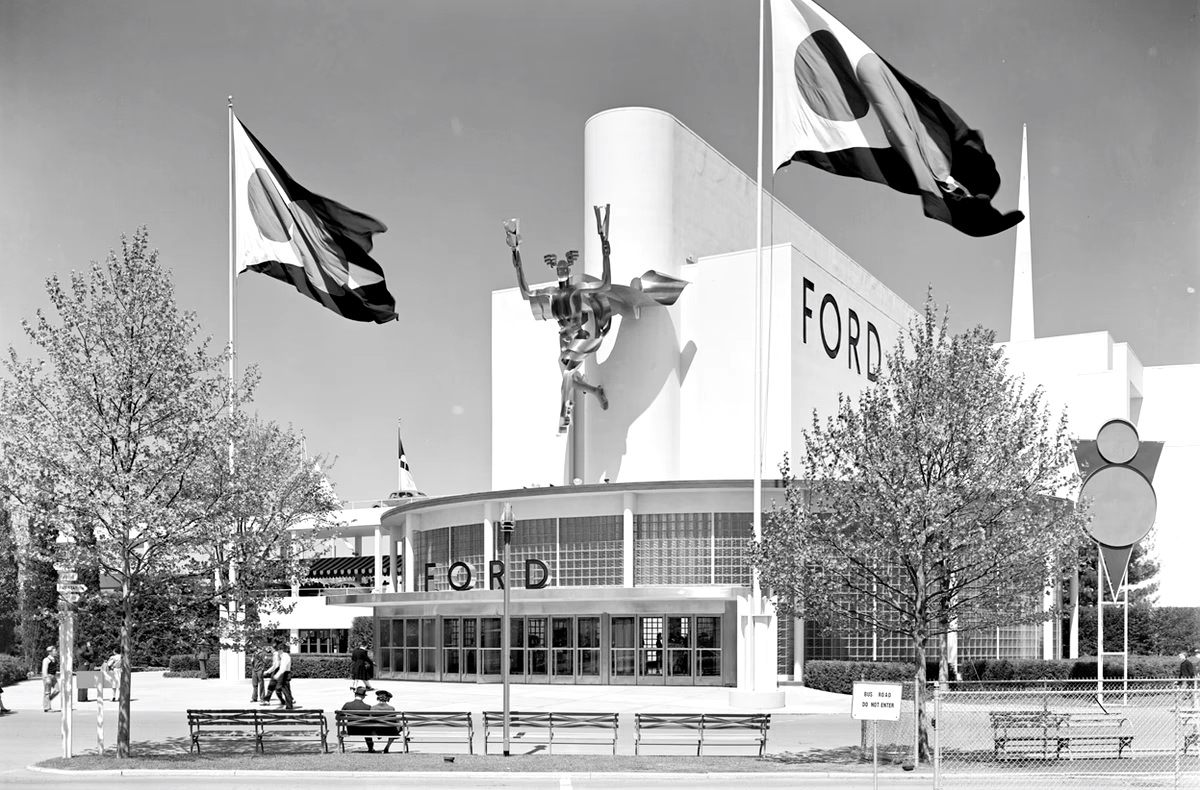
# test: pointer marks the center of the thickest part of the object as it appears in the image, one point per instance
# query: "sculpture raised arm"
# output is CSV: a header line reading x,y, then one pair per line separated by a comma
x,y
512,233
605,281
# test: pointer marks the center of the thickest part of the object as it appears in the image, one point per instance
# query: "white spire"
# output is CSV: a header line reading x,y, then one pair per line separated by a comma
x,y
1021,325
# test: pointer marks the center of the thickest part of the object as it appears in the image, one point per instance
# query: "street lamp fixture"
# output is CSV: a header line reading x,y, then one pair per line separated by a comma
x,y
507,523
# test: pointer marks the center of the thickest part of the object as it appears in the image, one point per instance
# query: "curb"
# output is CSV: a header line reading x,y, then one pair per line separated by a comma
x,y
481,776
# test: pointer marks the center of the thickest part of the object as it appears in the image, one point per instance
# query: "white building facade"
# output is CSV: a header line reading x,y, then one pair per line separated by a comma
x,y
627,554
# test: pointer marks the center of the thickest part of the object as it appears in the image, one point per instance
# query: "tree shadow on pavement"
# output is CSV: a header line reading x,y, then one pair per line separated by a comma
x,y
842,755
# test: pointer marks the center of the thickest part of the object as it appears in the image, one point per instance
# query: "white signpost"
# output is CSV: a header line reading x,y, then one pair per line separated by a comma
x,y
874,702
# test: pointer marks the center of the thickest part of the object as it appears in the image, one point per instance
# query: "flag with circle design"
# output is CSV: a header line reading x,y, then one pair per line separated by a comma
x,y
315,244
840,107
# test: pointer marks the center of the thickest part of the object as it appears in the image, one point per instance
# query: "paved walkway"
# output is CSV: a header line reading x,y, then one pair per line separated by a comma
x,y
153,692
810,720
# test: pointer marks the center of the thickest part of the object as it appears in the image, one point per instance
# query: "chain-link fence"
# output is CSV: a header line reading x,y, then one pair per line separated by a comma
x,y
896,739
1066,735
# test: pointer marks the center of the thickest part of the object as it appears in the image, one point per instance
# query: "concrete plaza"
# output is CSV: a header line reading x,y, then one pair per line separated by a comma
x,y
811,720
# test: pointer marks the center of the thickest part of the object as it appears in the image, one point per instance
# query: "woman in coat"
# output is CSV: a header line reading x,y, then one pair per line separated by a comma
x,y
362,668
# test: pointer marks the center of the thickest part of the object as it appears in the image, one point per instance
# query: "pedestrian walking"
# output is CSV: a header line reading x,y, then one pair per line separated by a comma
x,y
362,667
258,684
49,677
87,663
281,674
112,673
202,658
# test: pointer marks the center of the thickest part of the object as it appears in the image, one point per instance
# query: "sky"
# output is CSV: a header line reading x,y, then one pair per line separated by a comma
x,y
442,118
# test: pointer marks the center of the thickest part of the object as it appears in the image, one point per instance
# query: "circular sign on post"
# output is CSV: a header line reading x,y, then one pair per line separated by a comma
x,y
1117,442
1123,505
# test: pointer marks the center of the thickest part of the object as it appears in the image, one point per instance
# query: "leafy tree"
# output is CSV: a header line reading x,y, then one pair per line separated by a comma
x,y
32,529
1143,592
1153,630
9,585
122,430
112,426
276,508
1143,570
927,506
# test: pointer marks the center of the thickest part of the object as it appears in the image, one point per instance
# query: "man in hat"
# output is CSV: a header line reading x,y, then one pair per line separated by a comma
x,y
359,703
390,729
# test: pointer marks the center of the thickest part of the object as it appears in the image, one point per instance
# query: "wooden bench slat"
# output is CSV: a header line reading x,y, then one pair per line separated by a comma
x,y
434,726
1050,734
714,729
440,727
227,724
549,728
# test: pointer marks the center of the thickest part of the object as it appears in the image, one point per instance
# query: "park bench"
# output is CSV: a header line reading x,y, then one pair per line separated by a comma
x,y
701,729
222,725
236,724
439,727
297,724
358,725
1094,735
1026,733
551,728
1189,725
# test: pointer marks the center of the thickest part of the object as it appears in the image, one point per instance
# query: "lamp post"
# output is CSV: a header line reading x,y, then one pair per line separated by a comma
x,y
506,530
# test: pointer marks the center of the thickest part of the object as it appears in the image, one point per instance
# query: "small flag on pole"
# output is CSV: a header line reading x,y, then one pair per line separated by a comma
x,y
315,244
407,486
840,107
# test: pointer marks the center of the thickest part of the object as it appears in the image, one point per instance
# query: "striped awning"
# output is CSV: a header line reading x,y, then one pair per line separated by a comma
x,y
345,567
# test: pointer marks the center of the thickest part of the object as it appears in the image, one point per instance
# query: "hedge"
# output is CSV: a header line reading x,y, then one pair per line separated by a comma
x,y
1083,668
12,669
839,676
308,665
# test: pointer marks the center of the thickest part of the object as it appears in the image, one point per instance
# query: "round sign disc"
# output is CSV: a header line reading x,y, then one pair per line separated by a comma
x,y
1117,442
1123,505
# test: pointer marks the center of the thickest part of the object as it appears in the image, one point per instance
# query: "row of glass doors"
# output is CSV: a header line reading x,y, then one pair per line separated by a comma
x,y
631,649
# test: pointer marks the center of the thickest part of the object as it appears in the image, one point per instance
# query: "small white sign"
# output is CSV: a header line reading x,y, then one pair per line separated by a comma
x,y
71,588
68,576
71,597
879,701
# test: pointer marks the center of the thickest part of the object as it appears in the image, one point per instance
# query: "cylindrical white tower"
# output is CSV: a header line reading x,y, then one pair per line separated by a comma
x,y
631,163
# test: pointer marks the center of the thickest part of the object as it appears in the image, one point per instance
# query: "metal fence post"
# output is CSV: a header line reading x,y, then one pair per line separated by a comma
x,y
937,739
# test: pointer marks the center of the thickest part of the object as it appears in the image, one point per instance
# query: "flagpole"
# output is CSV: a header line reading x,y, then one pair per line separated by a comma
x,y
399,458
238,659
232,271
756,590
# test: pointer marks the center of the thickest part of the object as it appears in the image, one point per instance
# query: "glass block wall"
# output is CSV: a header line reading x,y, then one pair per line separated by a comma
x,y
589,552
431,545
691,548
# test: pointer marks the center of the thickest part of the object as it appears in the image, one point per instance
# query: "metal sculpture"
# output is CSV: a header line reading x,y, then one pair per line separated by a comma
x,y
584,308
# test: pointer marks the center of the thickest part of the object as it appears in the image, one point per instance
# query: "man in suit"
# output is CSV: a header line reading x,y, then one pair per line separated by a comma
x,y
359,703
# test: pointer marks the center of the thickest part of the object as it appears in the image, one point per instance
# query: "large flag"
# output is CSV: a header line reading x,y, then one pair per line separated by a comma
x,y
842,108
316,244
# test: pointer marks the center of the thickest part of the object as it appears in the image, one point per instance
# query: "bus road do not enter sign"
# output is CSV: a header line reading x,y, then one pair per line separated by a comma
x,y
879,701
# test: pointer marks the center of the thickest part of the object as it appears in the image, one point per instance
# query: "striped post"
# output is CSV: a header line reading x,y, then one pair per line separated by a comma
x,y
100,713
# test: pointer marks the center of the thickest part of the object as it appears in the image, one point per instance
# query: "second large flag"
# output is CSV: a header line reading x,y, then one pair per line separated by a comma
x,y
316,244
842,108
